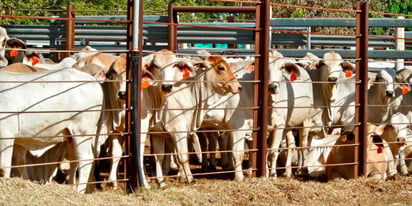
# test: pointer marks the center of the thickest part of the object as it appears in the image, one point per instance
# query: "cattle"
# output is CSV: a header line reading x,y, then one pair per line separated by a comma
x,y
291,103
398,134
78,119
97,58
3,39
339,97
15,50
343,153
188,103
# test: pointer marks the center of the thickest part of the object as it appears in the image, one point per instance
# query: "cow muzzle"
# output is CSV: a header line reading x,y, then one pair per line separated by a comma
x,y
167,87
273,88
400,141
390,93
332,79
121,95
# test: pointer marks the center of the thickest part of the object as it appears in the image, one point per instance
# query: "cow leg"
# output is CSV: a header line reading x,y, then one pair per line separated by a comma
x,y
203,145
303,138
402,162
226,157
19,158
290,140
391,162
84,153
196,146
116,152
158,146
238,147
182,153
212,137
6,148
273,153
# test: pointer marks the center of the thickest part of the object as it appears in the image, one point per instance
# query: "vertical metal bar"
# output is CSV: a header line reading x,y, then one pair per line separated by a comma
x,y
362,26
400,45
134,45
69,30
263,46
172,29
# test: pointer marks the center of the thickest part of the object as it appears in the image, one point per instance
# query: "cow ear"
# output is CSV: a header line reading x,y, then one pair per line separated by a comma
x,y
348,68
293,71
250,67
186,68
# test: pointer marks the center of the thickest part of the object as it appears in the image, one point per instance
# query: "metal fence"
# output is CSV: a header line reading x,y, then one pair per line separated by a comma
x,y
295,35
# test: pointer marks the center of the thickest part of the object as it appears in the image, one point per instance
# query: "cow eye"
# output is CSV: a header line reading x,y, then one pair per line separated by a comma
x,y
221,68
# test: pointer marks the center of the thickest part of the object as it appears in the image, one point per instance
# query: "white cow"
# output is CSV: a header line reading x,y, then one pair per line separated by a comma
x,y
398,135
23,124
3,38
291,106
339,97
185,108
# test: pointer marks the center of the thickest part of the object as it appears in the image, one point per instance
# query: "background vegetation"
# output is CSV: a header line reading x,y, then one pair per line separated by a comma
x,y
159,7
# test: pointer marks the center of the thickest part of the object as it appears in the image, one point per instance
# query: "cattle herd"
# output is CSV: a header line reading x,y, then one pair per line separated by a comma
x,y
66,111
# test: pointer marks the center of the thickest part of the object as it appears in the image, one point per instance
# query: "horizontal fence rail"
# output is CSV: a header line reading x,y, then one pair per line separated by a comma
x,y
107,35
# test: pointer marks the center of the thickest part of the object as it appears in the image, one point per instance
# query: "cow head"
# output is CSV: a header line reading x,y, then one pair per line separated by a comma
x,y
219,75
116,77
384,81
169,68
332,68
14,52
279,69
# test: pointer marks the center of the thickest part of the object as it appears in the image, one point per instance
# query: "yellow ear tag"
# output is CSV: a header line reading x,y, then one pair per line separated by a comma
x,y
14,52
186,73
145,83
405,89
348,74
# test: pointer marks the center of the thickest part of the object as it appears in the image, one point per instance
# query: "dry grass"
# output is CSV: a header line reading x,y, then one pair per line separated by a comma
x,y
253,191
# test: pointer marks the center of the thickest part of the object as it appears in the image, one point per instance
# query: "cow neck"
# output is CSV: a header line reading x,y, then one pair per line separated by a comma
x,y
205,97
154,99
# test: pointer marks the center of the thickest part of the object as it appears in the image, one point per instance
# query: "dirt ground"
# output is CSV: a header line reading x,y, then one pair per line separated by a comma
x,y
252,191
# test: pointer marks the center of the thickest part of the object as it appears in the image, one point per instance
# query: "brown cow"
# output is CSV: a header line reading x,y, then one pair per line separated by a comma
x,y
343,152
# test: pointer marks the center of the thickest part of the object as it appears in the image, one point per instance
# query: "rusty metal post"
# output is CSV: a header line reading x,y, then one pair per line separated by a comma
x,y
262,48
134,45
362,26
172,43
69,30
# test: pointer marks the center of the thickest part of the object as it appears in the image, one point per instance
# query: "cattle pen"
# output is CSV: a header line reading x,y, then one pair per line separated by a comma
x,y
136,35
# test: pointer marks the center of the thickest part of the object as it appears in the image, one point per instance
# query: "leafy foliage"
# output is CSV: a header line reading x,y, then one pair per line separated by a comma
x,y
159,7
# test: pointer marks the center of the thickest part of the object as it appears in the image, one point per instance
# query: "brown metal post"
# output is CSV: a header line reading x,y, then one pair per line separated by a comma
x,y
69,30
362,26
172,44
261,72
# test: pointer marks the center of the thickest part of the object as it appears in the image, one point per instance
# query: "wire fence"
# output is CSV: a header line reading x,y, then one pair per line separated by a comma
x,y
251,153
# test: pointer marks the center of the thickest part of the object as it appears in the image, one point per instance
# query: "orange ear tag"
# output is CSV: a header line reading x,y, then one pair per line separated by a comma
x,y
145,83
292,76
405,89
186,73
34,61
348,74
14,52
